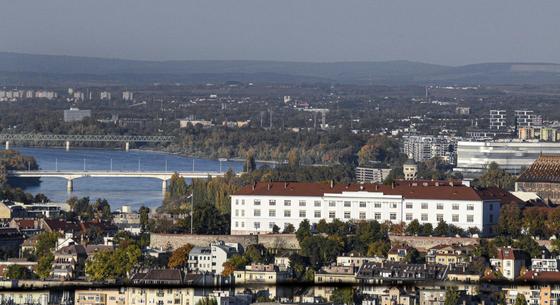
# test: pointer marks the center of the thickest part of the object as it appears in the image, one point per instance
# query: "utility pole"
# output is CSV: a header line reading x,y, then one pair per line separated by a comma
x,y
192,207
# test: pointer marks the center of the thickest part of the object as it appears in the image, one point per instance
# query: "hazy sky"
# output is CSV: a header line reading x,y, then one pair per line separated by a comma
x,y
437,31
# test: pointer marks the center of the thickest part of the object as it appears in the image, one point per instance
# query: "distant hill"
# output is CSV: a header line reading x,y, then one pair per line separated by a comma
x,y
24,69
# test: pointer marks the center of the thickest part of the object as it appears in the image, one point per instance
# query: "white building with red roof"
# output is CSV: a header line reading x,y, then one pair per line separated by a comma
x,y
257,208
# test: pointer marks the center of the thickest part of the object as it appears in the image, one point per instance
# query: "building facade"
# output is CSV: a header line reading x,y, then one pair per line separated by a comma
x,y
76,115
498,119
371,175
542,178
513,156
257,208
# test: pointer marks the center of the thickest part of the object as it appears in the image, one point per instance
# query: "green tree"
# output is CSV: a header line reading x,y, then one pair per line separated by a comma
x,y
46,241
115,264
275,229
144,218
427,229
510,221
442,229
17,272
289,229
293,158
304,230
413,228
495,176
250,163
413,257
343,296
379,248
451,296
520,299
44,265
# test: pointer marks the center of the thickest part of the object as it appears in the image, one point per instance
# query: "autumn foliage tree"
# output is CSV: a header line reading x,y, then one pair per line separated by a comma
x,y
179,257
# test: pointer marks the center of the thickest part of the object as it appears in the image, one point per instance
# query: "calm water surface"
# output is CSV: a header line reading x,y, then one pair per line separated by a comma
x,y
118,191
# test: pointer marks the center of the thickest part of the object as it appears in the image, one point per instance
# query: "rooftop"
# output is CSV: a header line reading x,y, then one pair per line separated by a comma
x,y
444,190
545,169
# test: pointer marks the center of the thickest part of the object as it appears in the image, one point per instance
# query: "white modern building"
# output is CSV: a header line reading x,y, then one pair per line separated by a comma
x,y
257,208
211,258
366,174
498,119
513,156
422,148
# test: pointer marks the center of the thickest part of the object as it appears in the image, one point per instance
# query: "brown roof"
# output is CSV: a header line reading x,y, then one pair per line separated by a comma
x,y
545,169
543,276
444,190
23,224
509,253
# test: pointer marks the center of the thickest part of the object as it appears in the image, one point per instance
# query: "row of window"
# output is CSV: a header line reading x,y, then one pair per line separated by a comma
x,y
362,215
377,216
362,204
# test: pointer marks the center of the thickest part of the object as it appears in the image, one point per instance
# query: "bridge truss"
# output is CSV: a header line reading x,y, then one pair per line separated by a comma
x,y
83,138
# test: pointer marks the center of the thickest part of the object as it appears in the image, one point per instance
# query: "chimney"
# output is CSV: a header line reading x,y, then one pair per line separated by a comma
x,y
332,183
361,187
285,185
268,186
393,184
254,185
376,187
437,183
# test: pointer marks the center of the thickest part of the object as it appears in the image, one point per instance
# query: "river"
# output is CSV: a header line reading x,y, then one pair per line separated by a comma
x,y
118,191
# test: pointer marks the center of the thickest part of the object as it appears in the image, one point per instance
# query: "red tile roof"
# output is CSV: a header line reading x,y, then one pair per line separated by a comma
x,y
443,190
543,276
545,169
509,253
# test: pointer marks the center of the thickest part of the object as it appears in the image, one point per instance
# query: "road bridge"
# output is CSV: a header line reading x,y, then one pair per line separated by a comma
x,y
126,139
70,176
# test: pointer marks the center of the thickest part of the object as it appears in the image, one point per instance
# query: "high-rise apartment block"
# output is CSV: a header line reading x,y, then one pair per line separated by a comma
x,y
498,119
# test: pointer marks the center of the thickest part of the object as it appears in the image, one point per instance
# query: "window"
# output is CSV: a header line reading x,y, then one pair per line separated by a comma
x,y
243,224
440,206
257,202
362,215
377,216
257,225
257,213
271,225
332,203
236,201
491,206
424,206
439,217
455,218
272,202
317,203
302,203
302,213
271,213
236,212
346,215
377,204
393,216
470,218
332,214
347,204
243,213
424,217
455,206
317,214
408,216
393,205
287,203
470,207
409,205
491,218
287,213
362,204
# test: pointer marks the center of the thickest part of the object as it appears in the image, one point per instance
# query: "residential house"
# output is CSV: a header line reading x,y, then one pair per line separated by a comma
x,y
398,253
356,260
158,277
10,242
336,275
211,258
261,274
69,263
449,254
373,273
509,262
